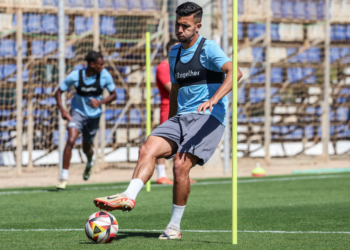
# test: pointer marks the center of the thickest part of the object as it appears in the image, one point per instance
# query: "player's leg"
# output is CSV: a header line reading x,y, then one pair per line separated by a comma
x,y
155,147
183,162
89,131
162,178
67,155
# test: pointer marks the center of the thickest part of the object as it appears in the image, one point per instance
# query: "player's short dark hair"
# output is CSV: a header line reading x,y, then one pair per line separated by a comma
x,y
171,43
93,56
188,9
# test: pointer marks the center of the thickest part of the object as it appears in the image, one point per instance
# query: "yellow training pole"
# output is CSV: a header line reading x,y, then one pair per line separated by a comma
x,y
148,89
234,119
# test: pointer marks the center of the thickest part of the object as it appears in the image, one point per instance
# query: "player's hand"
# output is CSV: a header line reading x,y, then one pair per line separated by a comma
x,y
206,105
66,116
95,103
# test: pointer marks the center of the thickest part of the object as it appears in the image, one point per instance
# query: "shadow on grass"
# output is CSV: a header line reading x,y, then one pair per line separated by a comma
x,y
136,234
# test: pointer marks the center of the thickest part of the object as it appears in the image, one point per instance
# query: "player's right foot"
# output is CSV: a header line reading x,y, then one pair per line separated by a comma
x,y
88,170
61,185
115,202
165,180
170,233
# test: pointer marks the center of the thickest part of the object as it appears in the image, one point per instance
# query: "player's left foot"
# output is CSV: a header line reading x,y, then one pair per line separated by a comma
x,y
170,233
192,181
115,202
88,170
165,180
61,185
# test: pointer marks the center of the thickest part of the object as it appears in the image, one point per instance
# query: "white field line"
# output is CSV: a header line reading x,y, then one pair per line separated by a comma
x,y
191,231
195,184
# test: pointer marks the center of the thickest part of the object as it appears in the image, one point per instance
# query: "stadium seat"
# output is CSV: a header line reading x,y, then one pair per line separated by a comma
x,y
107,26
260,29
24,21
120,5
8,48
106,4
346,92
9,69
241,117
135,116
335,54
302,57
69,52
109,113
34,23
50,24
320,10
259,54
309,131
343,114
311,79
345,52
117,113
276,75
51,46
251,30
79,25
341,32
275,36
291,51
89,23
260,78
50,3
300,9
121,98
347,34
275,97
38,48
277,8
1,75
134,4
156,96
288,9
66,24
314,54
240,31
149,5
333,32
311,10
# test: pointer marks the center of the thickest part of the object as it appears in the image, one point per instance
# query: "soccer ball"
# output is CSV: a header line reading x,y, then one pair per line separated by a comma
x,y
101,227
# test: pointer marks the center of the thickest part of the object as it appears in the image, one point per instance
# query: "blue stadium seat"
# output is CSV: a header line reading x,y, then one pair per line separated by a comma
x,y
277,8
288,9
50,2
343,114
50,24
314,54
105,4
107,26
156,98
275,97
149,5
240,7
320,10
24,21
309,131
66,24
275,36
276,75
241,96
347,32
1,74
117,112
109,113
121,98
34,23
8,48
260,29
341,32
241,117
89,23
79,25
134,4
291,51
300,9
311,79
251,30
302,57
259,54
135,116
69,52
240,30
311,10
334,32
9,69
51,46
335,54
38,48
345,52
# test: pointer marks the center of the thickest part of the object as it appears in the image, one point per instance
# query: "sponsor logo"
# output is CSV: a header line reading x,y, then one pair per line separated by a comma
x,y
88,89
113,197
187,74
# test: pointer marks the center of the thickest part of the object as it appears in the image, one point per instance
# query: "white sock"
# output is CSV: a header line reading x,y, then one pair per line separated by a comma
x,y
176,215
134,188
64,174
161,171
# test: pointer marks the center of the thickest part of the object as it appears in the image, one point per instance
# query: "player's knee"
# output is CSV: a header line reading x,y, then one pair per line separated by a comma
x,y
179,169
70,142
144,152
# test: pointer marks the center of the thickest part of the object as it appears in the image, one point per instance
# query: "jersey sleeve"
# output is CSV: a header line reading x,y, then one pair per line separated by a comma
x,y
163,74
216,56
69,80
108,82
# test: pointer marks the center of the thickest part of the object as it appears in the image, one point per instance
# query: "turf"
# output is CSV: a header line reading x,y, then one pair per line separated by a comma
x,y
304,204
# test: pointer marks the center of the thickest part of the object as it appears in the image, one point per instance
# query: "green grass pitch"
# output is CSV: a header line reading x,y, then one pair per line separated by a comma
x,y
304,203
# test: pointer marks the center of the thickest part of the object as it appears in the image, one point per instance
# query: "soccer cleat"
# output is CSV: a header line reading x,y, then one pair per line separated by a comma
x,y
115,202
170,233
61,185
192,181
165,180
88,170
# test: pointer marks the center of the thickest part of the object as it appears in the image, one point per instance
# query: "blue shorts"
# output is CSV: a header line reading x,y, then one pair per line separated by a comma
x,y
193,133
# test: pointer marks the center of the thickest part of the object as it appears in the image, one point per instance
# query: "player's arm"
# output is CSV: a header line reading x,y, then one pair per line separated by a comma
x,y
167,87
173,99
58,96
96,103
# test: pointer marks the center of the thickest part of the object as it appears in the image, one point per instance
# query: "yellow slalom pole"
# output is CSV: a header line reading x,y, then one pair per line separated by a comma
x,y
234,119
148,89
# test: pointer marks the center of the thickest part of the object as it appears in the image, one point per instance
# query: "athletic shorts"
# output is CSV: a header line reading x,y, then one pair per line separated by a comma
x,y
193,133
87,126
164,113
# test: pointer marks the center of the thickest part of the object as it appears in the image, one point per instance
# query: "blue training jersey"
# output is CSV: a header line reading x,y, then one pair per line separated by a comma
x,y
190,97
80,103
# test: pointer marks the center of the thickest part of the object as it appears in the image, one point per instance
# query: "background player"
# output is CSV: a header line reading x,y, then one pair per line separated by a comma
x,y
198,106
164,85
85,110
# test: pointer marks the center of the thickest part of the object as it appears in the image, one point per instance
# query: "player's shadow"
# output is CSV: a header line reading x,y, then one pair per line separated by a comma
x,y
123,235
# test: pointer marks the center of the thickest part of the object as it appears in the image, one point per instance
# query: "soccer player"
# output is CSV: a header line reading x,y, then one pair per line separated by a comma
x,y
85,110
198,105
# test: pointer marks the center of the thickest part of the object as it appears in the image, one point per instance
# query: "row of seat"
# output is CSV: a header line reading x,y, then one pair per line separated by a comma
x,y
298,9
48,24
107,4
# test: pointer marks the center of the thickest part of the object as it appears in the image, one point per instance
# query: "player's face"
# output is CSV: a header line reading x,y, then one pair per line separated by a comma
x,y
186,28
98,65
